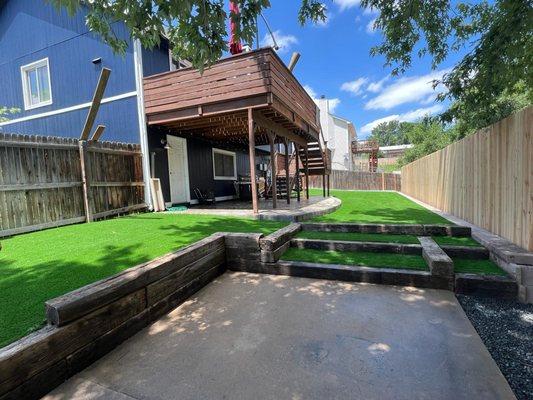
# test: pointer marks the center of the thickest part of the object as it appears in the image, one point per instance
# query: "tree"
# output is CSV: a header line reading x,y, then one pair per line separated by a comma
x,y
196,29
5,112
390,133
497,34
427,136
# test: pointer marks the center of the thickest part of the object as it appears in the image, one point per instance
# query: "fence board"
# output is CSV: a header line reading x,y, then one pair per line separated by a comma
x,y
485,178
359,180
41,183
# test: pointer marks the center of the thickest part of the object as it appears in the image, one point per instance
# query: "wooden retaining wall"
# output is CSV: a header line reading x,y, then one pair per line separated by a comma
x,y
485,178
359,180
52,181
89,322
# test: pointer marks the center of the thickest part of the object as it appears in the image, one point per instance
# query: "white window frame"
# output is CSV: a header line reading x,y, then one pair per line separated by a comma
x,y
228,153
25,84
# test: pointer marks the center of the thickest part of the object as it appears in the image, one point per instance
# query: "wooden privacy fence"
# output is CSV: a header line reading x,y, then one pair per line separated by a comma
x,y
359,180
485,178
51,181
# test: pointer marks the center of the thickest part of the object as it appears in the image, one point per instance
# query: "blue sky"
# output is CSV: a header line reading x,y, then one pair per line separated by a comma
x,y
336,63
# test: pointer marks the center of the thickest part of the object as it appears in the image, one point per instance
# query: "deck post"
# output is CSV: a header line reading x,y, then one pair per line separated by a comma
x,y
287,174
327,177
324,183
273,169
251,150
306,173
297,173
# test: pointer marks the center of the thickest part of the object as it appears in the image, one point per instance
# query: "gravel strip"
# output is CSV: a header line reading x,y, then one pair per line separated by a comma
x,y
506,328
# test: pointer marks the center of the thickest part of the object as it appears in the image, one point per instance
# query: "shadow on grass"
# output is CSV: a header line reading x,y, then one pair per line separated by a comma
x,y
39,266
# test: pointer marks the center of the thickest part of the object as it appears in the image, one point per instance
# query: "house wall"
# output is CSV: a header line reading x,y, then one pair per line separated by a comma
x,y
200,166
339,134
31,30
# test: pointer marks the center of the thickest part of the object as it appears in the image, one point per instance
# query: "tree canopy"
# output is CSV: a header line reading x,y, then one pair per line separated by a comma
x,y
196,29
498,36
390,133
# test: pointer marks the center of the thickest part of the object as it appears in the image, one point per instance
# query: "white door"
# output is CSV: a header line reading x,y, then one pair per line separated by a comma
x,y
178,169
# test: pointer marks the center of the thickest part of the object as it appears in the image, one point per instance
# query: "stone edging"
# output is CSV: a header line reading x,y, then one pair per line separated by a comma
x,y
325,206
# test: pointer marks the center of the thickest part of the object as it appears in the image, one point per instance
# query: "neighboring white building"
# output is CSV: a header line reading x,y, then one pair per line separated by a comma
x,y
339,133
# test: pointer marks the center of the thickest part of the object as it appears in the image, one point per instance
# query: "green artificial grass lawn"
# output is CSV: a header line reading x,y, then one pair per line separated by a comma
x,y
378,207
38,266
477,267
380,260
385,238
456,241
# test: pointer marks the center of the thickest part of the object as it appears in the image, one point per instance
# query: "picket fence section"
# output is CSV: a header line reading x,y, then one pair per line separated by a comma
x,y
485,178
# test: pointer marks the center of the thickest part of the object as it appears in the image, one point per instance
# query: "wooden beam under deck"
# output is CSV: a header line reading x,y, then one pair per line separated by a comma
x,y
251,149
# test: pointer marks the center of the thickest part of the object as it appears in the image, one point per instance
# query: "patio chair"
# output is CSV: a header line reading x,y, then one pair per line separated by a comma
x,y
204,196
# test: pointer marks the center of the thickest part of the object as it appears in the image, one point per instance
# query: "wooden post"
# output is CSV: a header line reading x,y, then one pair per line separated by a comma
x,y
273,170
297,174
82,144
251,150
328,177
287,175
95,103
306,173
324,183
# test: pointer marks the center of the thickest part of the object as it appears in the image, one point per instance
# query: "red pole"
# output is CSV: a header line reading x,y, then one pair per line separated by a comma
x,y
235,46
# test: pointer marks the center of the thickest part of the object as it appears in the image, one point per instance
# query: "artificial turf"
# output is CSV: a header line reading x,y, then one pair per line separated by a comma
x,y
385,238
380,260
378,207
485,267
42,265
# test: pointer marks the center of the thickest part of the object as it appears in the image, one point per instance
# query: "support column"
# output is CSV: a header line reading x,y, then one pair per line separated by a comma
x,y
306,173
328,176
251,150
324,183
287,175
273,169
297,176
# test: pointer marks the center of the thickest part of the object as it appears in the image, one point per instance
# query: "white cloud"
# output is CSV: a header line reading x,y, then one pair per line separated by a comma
x,y
333,103
310,91
376,87
354,87
284,42
409,116
406,90
345,4
370,26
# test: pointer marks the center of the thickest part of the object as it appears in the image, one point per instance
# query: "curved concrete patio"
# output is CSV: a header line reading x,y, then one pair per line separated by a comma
x,y
295,211
248,336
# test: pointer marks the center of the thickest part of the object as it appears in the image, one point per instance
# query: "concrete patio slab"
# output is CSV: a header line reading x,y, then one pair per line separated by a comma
x,y
248,336
295,211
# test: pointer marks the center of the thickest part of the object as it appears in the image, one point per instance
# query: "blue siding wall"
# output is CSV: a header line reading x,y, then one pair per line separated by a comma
x,y
119,117
156,60
31,30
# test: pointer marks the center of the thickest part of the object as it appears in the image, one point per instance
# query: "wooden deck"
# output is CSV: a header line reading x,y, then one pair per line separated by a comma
x,y
214,105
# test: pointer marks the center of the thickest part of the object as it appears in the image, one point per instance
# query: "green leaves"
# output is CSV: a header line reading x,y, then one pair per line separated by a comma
x,y
6,111
196,29
498,35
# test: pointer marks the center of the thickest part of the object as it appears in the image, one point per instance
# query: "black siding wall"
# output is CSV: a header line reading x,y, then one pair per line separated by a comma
x,y
200,166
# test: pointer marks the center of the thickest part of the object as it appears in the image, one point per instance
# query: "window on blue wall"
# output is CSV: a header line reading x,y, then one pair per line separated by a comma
x,y
36,84
224,165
